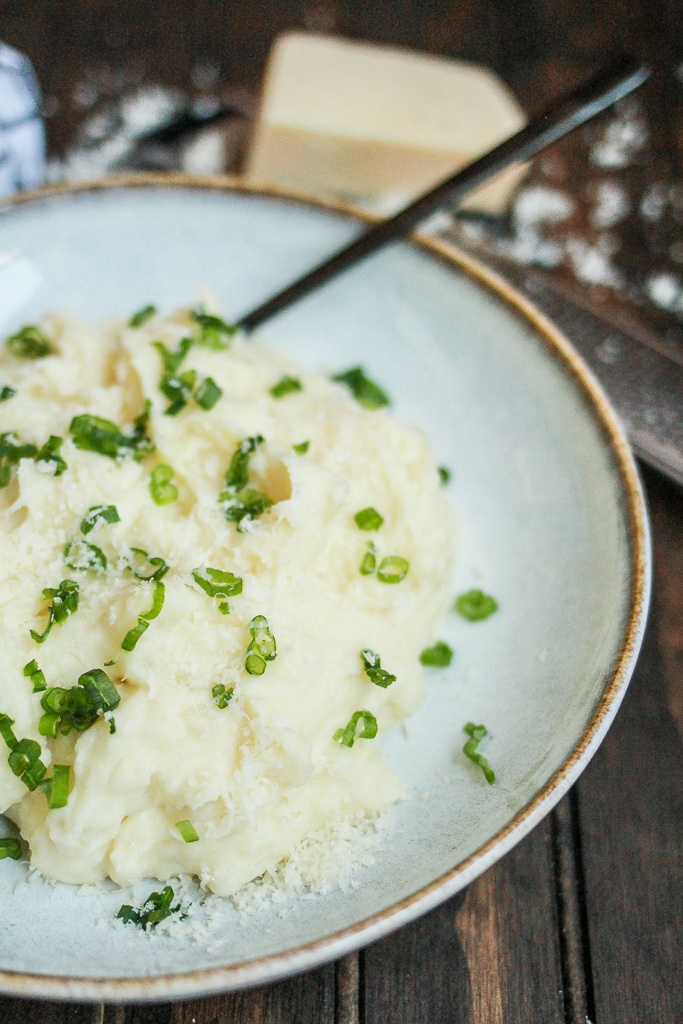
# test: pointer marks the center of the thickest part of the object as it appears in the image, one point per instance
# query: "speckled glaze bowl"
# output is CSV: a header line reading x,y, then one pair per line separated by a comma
x,y
551,521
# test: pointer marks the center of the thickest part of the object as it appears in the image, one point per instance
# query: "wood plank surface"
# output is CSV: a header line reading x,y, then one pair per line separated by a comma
x,y
631,811
583,920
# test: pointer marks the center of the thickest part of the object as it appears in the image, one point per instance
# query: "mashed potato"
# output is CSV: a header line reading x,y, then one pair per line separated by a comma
x,y
244,744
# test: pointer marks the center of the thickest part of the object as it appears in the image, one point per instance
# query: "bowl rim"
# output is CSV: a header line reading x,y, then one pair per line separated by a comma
x,y
263,969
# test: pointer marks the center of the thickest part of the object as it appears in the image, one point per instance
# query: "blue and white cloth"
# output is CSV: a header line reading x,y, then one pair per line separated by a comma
x,y
22,136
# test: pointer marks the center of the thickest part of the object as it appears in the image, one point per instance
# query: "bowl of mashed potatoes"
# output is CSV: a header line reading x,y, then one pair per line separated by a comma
x,y
300,632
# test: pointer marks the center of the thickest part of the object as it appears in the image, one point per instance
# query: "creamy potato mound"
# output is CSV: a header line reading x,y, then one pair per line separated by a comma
x,y
255,776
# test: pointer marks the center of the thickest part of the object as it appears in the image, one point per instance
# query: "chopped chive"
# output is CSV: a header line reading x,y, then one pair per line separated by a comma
x,y
133,635
130,640
142,315
374,671
302,447
64,603
349,734
262,647
222,695
368,519
99,515
6,392
29,343
365,391
12,450
160,486
172,360
6,731
218,583
187,831
237,476
207,394
285,386
81,556
211,331
392,569
56,788
157,907
439,655
10,847
37,677
369,561
244,506
476,734
78,707
178,389
24,761
102,693
475,605
96,434
444,475
140,564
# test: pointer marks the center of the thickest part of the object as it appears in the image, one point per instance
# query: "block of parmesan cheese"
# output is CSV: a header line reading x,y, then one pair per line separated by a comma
x,y
367,122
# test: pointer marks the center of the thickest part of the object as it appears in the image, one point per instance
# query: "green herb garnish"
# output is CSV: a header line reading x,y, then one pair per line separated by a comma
x,y
240,502
285,386
439,655
444,475
365,391
12,450
77,707
56,788
142,315
218,583
29,343
222,695
10,847
160,486
99,515
145,568
212,331
81,556
178,389
187,831
157,907
64,603
245,506
133,635
392,569
95,434
374,671
475,605
302,447
262,647
368,519
50,453
24,758
476,734
6,392
37,677
350,734
172,360
207,394
237,475
369,561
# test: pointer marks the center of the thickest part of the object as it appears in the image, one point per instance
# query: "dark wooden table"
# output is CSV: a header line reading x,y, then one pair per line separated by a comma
x,y
582,920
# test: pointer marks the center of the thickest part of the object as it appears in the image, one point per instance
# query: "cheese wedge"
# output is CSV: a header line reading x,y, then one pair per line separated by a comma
x,y
366,122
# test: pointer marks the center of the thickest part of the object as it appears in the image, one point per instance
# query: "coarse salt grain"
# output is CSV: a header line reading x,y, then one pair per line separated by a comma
x,y
611,205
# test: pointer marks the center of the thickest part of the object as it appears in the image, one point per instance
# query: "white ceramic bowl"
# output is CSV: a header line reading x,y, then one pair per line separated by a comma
x,y
551,519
